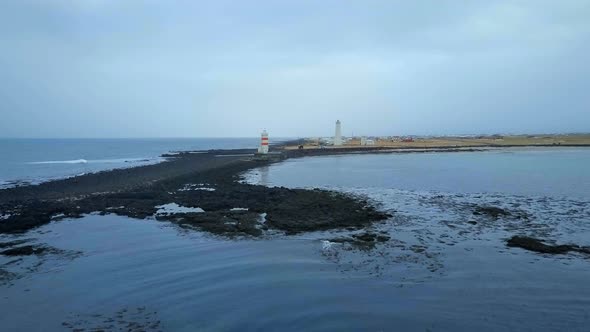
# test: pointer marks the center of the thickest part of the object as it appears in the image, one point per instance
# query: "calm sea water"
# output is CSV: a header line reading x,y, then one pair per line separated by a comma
x,y
38,160
436,274
530,171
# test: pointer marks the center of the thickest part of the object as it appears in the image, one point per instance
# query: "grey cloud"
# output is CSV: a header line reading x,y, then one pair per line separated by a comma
x,y
226,68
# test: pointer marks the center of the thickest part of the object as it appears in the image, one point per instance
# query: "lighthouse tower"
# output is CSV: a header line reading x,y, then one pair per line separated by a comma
x,y
263,148
338,136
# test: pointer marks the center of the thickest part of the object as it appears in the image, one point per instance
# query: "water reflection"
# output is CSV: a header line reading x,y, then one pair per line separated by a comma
x,y
264,172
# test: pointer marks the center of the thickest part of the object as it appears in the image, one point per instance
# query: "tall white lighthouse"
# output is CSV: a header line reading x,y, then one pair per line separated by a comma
x,y
263,148
338,135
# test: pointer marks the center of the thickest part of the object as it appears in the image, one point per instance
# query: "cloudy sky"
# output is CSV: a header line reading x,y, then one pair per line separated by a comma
x,y
113,68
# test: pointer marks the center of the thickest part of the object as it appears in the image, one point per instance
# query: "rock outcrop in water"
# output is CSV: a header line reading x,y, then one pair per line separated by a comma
x,y
536,245
366,240
491,211
24,251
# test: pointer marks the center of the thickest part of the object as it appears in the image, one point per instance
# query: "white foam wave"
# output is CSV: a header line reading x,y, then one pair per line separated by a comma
x,y
76,161
97,161
124,160
172,208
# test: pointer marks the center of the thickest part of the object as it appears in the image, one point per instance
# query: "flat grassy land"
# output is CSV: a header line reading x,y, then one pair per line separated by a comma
x,y
482,141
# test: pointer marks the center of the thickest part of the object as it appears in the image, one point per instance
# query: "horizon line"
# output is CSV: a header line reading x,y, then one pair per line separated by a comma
x,y
298,137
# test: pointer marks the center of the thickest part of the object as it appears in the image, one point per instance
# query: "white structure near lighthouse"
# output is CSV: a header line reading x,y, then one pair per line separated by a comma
x,y
338,135
263,148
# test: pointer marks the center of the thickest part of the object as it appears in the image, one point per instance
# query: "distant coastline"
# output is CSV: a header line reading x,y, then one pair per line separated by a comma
x,y
445,142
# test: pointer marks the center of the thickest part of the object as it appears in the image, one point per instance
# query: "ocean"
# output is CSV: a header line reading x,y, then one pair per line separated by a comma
x,y
437,273
34,161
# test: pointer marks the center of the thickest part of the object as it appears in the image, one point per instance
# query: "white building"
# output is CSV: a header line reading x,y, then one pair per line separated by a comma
x,y
338,135
365,141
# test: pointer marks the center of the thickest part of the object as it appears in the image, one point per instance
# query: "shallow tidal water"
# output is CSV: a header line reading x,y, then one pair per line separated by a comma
x,y
437,273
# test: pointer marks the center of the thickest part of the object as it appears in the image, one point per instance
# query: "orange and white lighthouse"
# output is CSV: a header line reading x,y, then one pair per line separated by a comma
x,y
263,143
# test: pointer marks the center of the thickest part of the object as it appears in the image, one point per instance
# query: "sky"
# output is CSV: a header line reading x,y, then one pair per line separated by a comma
x,y
113,68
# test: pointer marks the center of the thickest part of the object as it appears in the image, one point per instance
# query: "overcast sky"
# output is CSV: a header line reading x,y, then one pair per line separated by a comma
x,y
113,68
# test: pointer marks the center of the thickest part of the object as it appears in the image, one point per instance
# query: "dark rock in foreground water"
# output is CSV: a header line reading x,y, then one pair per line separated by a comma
x,y
491,211
537,245
365,240
23,251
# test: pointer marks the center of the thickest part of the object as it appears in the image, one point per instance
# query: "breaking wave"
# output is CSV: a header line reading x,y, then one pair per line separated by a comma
x,y
97,161
76,161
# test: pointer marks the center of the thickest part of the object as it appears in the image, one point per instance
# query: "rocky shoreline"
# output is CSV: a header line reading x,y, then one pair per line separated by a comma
x,y
208,181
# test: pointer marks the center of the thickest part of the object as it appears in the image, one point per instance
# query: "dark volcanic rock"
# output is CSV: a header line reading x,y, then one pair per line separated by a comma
x,y
303,210
491,211
220,222
537,245
363,241
371,237
9,244
34,213
24,251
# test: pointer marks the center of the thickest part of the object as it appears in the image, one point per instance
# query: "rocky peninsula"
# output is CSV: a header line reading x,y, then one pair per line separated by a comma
x,y
204,182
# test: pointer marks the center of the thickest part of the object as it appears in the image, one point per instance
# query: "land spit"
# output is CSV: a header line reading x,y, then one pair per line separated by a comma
x,y
205,184
570,140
